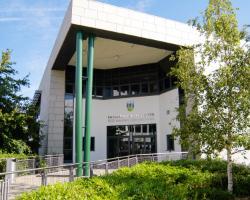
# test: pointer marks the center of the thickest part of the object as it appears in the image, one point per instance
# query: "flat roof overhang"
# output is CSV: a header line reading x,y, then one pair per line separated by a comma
x,y
68,48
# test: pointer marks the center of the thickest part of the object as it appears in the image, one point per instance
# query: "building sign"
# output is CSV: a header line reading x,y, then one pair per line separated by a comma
x,y
131,118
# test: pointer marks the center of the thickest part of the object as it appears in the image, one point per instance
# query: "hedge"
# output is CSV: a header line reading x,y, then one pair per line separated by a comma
x,y
241,174
143,181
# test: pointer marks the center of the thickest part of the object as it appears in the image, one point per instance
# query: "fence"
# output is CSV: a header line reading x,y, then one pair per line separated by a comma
x,y
34,162
30,179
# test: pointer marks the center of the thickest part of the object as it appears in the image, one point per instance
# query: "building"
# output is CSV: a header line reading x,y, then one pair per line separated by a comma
x,y
134,99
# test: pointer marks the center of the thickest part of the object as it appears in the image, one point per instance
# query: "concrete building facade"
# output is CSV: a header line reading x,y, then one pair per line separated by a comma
x,y
134,98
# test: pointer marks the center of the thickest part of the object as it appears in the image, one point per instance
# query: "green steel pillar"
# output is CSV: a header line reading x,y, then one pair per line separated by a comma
x,y
88,104
78,109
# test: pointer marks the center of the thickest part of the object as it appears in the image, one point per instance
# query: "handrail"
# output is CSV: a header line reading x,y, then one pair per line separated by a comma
x,y
37,169
91,162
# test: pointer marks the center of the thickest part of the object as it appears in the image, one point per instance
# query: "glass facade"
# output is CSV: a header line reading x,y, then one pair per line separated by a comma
x,y
131,139
143,80
68,127
140,80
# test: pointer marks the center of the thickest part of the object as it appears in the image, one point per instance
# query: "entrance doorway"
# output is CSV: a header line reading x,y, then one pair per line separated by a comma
x,y
131,139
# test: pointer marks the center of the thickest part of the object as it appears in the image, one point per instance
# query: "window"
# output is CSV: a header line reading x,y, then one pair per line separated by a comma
x,y
69,88
126,81
167,83
92,143
116,91
153,87
170,143
144,88
138,128
152,128
124,90
135,89
107,92
99,92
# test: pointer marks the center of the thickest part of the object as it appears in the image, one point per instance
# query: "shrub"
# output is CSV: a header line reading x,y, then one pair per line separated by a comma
x,y
144,181
241,173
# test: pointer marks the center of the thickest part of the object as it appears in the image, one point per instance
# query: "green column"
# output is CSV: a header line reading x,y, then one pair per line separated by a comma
x,y
78,108
88,104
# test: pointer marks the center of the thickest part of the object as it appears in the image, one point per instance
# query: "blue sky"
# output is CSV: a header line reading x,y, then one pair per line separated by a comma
x,y
29,28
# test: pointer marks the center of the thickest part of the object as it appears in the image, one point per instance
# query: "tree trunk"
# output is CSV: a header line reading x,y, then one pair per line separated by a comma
x,y
229,171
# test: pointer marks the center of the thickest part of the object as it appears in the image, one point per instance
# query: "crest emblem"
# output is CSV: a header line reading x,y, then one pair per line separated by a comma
x,y
130,105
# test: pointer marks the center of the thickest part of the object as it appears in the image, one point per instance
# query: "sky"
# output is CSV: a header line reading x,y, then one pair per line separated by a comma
x,y
29,27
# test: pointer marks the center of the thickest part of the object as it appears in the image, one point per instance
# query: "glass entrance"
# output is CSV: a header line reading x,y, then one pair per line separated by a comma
x,y
131,139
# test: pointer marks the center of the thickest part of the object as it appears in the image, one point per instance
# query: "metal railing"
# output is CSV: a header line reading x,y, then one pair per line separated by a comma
x,y
31,179
32,162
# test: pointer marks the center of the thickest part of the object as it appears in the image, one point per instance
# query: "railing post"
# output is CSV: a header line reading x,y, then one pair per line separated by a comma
x,y
136,159
71,174
44,177
7,189
10,167
106,168
152,157
118,163
128,162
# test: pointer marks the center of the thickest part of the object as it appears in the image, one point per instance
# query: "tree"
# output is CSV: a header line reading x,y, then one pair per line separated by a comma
x,y
215,114
18,125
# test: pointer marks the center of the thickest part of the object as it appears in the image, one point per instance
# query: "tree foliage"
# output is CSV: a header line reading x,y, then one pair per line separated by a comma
x,y
18,125
215,77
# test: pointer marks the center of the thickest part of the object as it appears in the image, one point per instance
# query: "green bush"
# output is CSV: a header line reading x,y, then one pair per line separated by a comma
x,y
241,173
144,181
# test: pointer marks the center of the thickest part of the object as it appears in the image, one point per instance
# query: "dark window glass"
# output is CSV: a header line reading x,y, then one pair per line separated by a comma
x,y
68,143
84,90
124,90
107,92
135,81
145,128
69,88
67,154
99,91
116,91
153,87
167,83
131,129
111,130
170,143
161,85
138,128
92,143
152,128
144,88
135,89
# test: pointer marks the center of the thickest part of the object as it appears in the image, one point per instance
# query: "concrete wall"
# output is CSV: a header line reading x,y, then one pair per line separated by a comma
x,y
158,105
121,20
52,111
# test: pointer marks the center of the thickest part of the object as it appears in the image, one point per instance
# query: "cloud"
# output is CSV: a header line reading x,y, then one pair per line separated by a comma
x,y
37,14
37,21
9,19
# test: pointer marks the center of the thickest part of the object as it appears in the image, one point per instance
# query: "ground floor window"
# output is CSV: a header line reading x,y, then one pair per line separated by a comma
x,y
170,142
131,139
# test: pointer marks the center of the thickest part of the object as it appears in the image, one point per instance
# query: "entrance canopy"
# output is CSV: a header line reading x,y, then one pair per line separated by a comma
x,y
115,54
123,37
